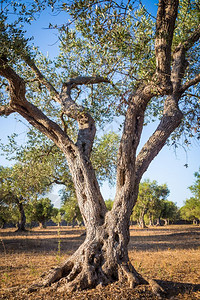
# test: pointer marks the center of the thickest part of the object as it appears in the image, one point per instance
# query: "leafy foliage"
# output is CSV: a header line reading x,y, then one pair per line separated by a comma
x,y
152,203
191,209
40,211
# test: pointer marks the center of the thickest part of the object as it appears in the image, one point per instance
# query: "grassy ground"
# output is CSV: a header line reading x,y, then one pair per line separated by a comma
x,y
171,255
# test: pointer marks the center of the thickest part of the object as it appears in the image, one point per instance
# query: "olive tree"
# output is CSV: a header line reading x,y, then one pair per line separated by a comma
x,y
191,209
133,66
41,210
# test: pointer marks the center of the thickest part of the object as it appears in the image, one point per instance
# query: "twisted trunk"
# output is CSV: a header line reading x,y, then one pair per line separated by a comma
x,y
103,256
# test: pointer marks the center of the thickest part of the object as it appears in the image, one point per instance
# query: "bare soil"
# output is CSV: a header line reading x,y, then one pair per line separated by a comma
x,y
170,255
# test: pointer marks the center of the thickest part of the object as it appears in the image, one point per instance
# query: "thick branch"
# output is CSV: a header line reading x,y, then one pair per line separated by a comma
x,y
86,123
127,151
80,80
180,63
29,111
172,117
165,24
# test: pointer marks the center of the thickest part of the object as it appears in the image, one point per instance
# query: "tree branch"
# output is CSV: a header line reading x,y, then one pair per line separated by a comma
x,y
133,126
171,119
85,121
190,83
165,24
192,95
41,78
180,63
29,111
194,37
80,80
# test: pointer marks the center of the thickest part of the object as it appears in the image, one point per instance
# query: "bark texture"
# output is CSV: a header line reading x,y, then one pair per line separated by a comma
x,y
103,257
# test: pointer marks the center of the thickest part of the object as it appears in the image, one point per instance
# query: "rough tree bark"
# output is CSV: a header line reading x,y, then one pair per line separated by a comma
x,y
103,257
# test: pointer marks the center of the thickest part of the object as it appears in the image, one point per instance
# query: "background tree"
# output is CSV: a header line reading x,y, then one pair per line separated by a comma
x,y
191,210
195,188
150,202
19,185
40,210
109,204
71,209
157,205
132,66
6,213
57,216
145,196
170,212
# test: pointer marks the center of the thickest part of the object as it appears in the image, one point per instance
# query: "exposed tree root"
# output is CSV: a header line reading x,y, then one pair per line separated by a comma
x,y
156,288
81,275
94,264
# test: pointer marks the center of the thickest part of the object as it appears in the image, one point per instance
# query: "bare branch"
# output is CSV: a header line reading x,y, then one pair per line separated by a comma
x,y
190,83
192,95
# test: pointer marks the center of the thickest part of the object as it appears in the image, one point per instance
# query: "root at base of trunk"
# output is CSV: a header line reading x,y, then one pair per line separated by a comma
x,y
92,265
79,275
73,276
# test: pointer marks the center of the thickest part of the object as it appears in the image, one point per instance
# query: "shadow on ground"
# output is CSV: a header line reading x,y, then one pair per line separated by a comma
x,y
165,241
69,240
173,289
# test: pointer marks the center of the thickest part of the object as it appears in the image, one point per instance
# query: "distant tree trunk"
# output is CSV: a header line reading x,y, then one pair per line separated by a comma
x,y
158,222
166,222
42,224
3,222
150,220
195,221
21,224
142,222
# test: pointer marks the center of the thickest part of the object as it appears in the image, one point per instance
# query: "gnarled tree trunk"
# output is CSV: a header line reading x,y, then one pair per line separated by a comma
x,y
103,256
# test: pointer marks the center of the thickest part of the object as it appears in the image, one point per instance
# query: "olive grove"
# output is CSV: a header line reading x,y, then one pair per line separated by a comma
x,y
115,60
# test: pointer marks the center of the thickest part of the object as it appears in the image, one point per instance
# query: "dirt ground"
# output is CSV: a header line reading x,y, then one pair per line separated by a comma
x,y
170,255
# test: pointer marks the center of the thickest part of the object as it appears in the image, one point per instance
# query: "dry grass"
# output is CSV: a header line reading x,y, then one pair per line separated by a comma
x,y
170,254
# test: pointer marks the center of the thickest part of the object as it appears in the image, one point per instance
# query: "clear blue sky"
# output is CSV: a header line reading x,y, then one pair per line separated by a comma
x,y
168,167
